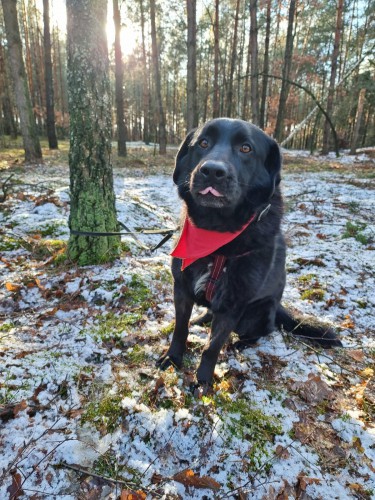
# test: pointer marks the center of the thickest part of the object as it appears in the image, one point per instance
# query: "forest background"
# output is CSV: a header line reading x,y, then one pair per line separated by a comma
x,y
278,64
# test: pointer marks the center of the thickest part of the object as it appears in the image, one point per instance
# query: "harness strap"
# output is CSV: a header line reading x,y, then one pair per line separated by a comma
x,y
216,272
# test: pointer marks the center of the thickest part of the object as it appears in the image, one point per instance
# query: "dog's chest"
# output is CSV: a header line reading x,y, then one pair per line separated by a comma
x,y
207,274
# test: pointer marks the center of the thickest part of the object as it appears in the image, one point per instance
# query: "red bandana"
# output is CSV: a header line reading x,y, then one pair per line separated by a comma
x,y
195,243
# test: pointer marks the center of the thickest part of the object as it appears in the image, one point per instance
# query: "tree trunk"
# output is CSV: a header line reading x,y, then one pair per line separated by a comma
x,y
146,92
119,80
262,117
191,94
31,143
9,125
155,60
233,62
358,119
254,93
50,102
216,101
245,102
332,80
285,72
91,178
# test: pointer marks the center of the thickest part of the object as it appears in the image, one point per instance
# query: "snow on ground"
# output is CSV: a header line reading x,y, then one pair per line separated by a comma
x,y
81,399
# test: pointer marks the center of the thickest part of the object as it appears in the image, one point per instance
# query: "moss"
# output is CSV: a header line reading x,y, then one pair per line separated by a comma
x,y
136,354
315,294
125,247
105,410
44,249
8,243
246,422
51,229
362,304
306,278
355,231
6,327
113,327
138,294
167,330
163,275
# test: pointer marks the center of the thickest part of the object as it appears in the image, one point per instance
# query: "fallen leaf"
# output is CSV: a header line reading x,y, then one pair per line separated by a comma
x,y
348,323
282,452
188,478
133,495
304,481
356,487
314,390
11,411
357,444
355,354
156,478
15,490
12,287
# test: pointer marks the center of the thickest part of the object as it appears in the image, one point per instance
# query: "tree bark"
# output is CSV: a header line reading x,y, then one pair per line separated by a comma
x,y
286,72
50,102
216,100
254,91
31,143
192,111
262,112
332,80
91,177
119,81
233,62
9,124
155,60
146,92
358,120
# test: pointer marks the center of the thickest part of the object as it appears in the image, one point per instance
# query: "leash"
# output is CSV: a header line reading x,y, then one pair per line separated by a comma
x,y
168,233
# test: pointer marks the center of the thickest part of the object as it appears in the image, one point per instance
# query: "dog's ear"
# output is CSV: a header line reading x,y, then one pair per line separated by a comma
x,y
273,162
181,156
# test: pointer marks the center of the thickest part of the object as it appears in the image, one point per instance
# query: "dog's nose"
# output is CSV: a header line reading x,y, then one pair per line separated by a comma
x,y
213,170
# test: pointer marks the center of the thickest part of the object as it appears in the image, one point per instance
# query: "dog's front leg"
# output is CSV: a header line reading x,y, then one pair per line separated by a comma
x,y
183,307
222,325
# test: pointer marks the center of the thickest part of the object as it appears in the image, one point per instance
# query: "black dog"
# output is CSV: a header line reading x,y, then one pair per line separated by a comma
x,y
231,254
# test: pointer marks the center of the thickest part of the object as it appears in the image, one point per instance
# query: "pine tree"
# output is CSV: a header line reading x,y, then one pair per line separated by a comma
x,y
91,177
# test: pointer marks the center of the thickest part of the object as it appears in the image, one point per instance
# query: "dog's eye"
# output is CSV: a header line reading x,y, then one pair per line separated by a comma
x,y
203,143
245,148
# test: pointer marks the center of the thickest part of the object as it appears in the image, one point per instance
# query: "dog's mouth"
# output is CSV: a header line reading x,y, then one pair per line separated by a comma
x,y
211,190
210,197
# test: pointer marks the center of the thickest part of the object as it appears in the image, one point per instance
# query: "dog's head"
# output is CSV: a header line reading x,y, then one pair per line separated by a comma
x,y
227,163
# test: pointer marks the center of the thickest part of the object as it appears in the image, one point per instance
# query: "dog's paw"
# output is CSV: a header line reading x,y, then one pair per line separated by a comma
x,y
164,362
201,388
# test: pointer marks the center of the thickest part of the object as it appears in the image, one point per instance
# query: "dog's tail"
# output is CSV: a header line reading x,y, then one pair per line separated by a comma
x,y
306,327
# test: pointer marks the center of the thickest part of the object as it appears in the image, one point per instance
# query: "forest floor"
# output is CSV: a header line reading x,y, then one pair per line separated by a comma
x,y
84,413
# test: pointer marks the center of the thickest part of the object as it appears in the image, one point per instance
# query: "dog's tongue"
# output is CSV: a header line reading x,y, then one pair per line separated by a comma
x,y
211,190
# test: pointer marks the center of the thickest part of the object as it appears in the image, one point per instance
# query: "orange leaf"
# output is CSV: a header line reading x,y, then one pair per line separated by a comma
x,y
133,495
12,287
188,478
